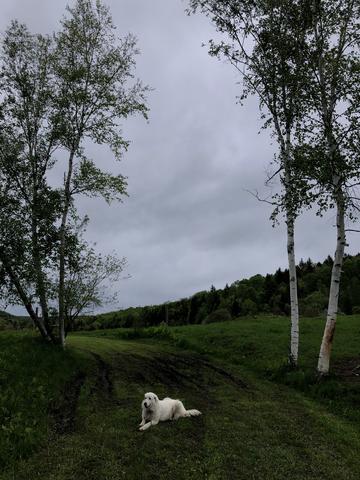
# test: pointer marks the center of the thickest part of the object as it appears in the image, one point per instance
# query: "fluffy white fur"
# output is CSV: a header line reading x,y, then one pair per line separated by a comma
x,y
155,410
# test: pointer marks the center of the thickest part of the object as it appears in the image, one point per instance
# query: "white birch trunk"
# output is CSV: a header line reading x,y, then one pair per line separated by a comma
x,y
294,304
290,231
62,250
327,341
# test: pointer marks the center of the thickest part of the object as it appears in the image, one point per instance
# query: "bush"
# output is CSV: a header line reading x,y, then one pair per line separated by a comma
x,y
248,307
219,315
162,331
314,304
95,325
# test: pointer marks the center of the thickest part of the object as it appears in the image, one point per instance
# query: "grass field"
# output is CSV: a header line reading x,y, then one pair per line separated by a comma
x,y
74,414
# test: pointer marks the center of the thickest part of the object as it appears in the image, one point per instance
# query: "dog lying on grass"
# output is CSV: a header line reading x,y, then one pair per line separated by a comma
x,y
155,410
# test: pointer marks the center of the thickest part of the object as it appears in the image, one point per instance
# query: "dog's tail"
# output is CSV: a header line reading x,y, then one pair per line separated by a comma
x,y
192,413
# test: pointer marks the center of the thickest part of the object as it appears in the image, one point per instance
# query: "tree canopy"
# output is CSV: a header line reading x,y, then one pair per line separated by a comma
x,y
61,94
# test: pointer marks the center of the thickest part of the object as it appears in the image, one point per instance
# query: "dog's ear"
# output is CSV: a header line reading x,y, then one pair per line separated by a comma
x,y
156,398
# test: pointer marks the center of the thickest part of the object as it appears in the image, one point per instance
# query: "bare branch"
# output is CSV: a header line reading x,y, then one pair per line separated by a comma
x,y
264,200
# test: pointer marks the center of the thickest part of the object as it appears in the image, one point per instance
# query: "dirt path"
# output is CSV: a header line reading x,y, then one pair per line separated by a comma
x,y
249,429
63,410
104,383
181,373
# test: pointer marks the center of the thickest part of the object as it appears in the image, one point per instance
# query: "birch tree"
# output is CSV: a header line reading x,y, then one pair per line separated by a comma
x,y
93,70
333,129
59,93
264,42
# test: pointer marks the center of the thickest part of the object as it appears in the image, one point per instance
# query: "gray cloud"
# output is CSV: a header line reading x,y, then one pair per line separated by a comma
x,y
188,222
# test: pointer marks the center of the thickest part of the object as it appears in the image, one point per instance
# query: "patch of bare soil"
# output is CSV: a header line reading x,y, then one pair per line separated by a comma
x,y
348,369
104,384
220,371
63,411
174,371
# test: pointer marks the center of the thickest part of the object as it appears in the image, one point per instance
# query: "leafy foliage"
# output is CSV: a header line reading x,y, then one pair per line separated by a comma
x,y
62,92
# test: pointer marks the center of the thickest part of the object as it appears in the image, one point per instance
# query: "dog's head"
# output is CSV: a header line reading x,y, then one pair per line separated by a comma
x,y
150,401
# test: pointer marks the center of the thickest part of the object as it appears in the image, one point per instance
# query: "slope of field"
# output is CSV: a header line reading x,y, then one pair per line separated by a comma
x,y
251,427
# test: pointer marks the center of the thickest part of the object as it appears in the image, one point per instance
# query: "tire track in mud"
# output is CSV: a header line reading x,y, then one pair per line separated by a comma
x,y
170,370
104,384
173,370
63,411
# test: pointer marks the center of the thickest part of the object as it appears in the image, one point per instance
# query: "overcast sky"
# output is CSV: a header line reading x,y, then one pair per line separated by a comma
x,y
189,221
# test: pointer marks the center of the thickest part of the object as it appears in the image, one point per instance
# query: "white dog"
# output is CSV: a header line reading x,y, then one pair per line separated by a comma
x,y
155,410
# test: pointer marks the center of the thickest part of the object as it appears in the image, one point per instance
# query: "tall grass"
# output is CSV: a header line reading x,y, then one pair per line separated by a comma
x,y
32,375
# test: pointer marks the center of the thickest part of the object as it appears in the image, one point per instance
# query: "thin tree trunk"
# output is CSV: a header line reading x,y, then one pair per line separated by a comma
x,y
327,340
62,251
62,280
294,304
290,231
24,298
40,275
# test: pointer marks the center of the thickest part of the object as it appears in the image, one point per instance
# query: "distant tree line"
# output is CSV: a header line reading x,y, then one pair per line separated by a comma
x,y
259,294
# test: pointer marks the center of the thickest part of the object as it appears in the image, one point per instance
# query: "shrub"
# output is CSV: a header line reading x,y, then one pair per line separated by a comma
x,y
314,304
248,307
95,325
162,331
219,315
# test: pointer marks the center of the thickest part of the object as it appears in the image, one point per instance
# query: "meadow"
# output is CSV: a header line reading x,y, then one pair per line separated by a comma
x,y
75,414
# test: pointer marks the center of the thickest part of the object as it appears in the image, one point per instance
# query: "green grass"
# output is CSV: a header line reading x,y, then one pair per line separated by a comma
x,y
269,430
261,345
32,375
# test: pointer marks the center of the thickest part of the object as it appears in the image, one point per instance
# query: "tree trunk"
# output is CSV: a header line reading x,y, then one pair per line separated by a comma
x,y
62,251
62,281
24,298
327,341
39,274
290,230
294,304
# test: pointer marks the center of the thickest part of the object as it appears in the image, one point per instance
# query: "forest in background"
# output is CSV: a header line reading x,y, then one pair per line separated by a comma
x,y
259,294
